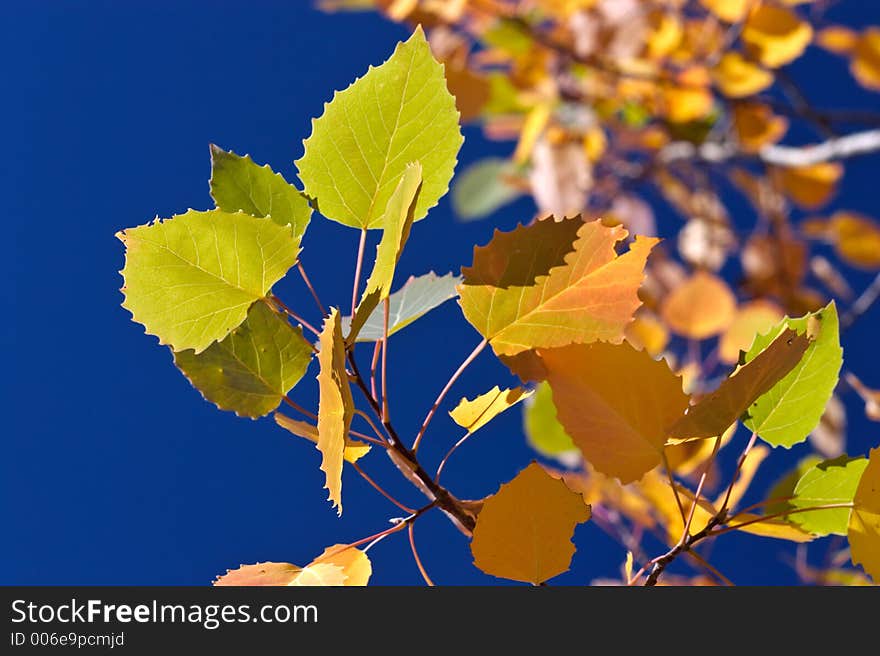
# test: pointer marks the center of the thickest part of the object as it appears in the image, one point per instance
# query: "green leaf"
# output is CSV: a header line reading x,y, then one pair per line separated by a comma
x,y
251,370
543,430
829,482
417,297
784,487
791,409
481,189
238,184
397,113
191,279
397,223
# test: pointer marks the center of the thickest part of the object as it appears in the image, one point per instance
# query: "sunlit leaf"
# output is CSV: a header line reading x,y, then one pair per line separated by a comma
x,y
354,450
827,483
787,412
543,430
809,187
737,77
397,113
716,411
837,39
253,367
757,126
782,491
856,239
616,403
775,35
732,11
354,563
238,184
396,223
647,332
524,530
752,319
337,566
335,406
701,307
865,63
864,521
476,413
418,296
192,278
573,288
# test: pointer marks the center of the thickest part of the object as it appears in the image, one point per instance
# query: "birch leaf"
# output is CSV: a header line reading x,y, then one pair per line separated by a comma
x,y
830,482
524,530
397,113
553,283
335,407
253,367
192,278
474,414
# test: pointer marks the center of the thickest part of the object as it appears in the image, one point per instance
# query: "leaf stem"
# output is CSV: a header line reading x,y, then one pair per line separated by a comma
x,y
455,376
302,273
785,513
296,406
449,453
293,315
379,489
739,465
357,271
374,366
415,553
673,486
385,415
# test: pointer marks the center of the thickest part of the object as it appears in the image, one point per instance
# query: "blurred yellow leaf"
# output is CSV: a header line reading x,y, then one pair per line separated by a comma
x,y
753,318
809,187
524,530
684,458
473,415
757,126
775,35
665,33
647,332
701,307
856,239
731,11
534,126
685,104
864,521
736,77
865,63
837,39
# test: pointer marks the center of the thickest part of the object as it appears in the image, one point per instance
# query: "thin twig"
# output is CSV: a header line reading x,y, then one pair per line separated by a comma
x,y
379,489
449,453
293,315
765,518
363,415
296,406
302,273
357,271
374,365
706,564
464,365
674,487
709,461
385,415
722,511
415,553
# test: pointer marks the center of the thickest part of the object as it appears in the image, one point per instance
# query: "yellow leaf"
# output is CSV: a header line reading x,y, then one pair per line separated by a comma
x,y
685,457
865,63
665,35
736,77
809,187
871,397
657,490
757,126
595,143
752,319
837,39
473,415
716,411
260,574
864,521
701,307
647,332
771,528
353,562
856,239
731,11
775,35
685,104
335,405
534,126
616,404
320,574
354,450
524,530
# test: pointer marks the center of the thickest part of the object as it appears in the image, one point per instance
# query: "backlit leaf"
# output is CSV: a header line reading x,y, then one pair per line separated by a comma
x,y
775,35
716,411
524,530
830,482
785,414
474,414
572,287
337,566
732,11
239,184
481,188
543,430
396,224
417,297
782,491
397,113
353,562
253,367
811,186
335,407
616,403
192,278
864,521
865,62
737,77
354,450
700,307
752,319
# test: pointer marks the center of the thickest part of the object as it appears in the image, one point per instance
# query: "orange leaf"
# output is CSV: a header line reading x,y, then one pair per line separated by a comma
x,y
856,239
647,332
338,565
757,126
616,404
260,574
571,287
865,63
335,406
353,562
701,307
808,186
731,11
837,39
736,77
752,319
716,411
524,530
775,35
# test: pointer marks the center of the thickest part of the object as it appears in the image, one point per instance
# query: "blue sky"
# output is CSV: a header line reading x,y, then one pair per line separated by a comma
x,y
114,470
